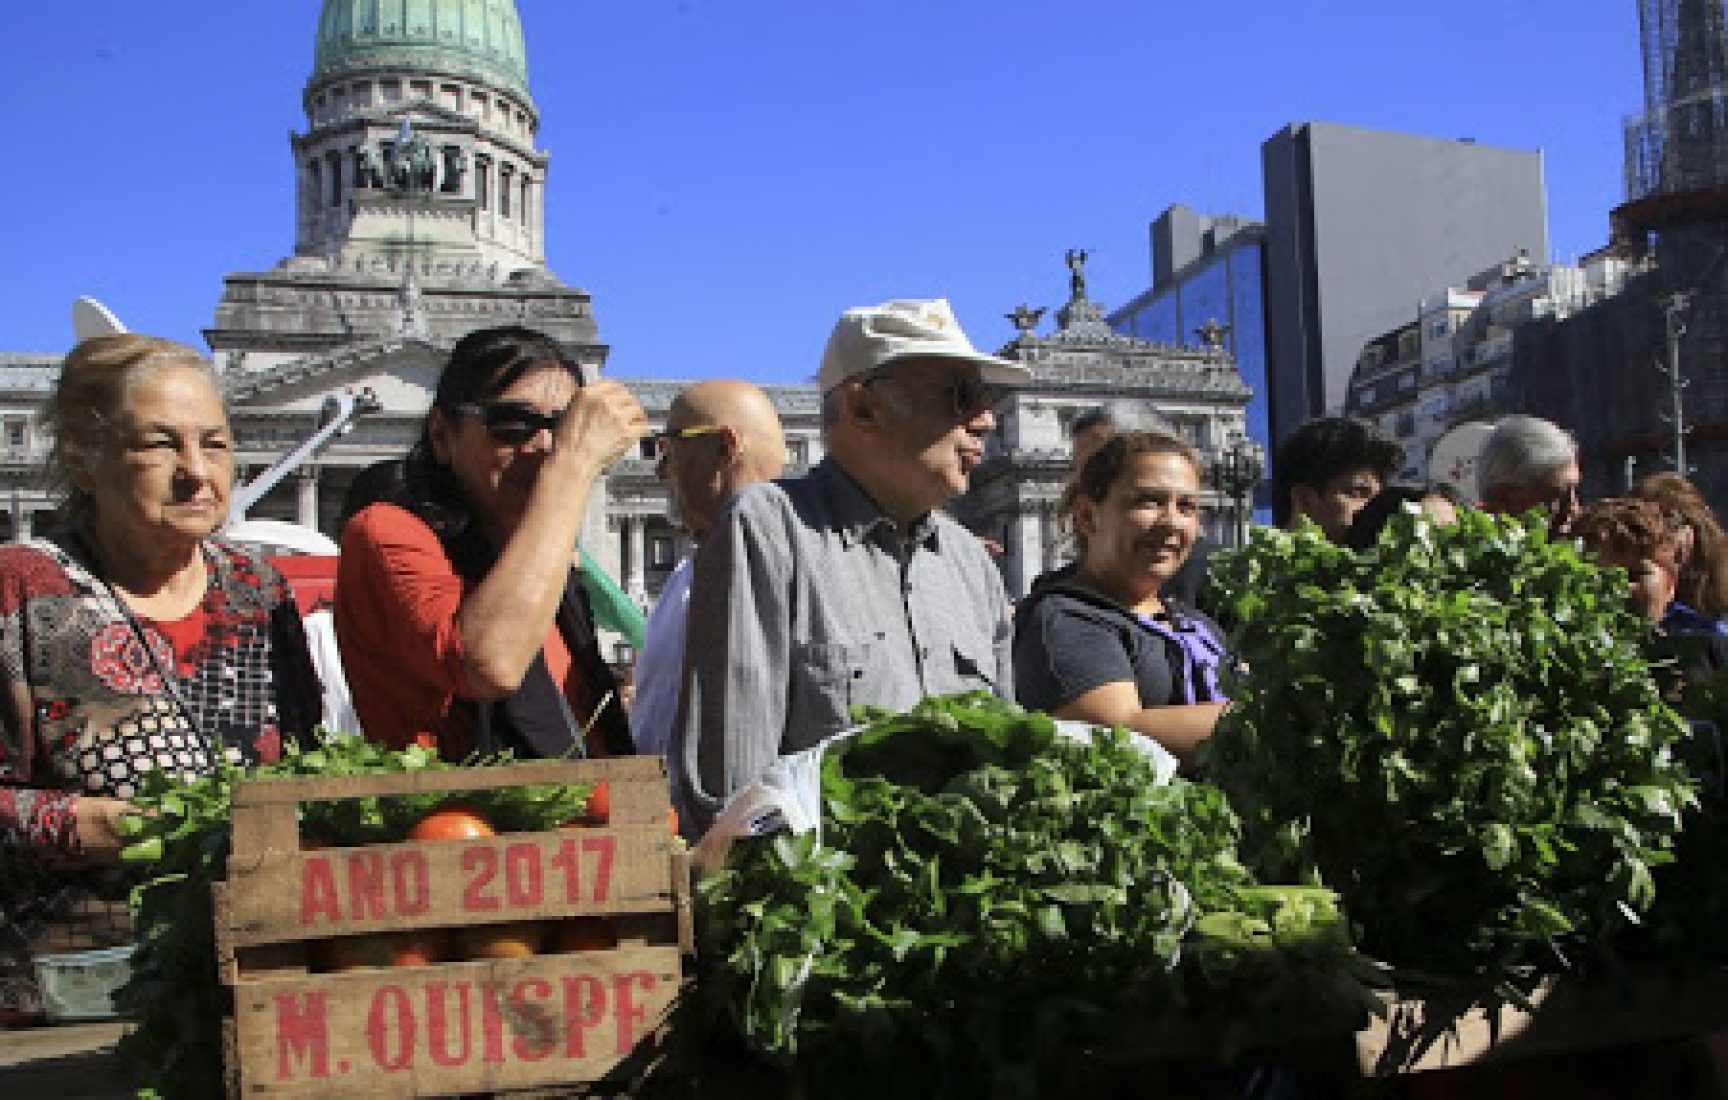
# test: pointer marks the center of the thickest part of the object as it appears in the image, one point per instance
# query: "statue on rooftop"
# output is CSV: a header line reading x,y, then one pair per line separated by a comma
x,y
368,166
1025,319
1076,260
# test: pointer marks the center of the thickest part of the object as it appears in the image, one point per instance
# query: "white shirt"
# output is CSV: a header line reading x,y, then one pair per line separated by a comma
x,y
660,666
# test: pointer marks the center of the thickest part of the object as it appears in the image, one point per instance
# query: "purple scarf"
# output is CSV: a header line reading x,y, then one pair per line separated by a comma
x,y
1202,653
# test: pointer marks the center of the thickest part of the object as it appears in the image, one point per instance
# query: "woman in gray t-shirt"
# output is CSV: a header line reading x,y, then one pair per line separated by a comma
x,y
1103,645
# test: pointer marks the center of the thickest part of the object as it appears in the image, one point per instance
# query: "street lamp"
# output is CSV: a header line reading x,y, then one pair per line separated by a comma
x,y
1236,473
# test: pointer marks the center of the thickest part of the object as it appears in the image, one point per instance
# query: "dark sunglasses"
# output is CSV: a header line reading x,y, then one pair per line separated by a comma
x,y
510,422
967,397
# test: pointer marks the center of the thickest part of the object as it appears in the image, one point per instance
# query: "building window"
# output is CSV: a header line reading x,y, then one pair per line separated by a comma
x,y
1440,327
15,433
523,212
505,172
334,161
483,182
316,170
797,452
661,552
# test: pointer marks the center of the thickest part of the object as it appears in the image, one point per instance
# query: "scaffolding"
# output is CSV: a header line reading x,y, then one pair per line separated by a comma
x,y
1680,143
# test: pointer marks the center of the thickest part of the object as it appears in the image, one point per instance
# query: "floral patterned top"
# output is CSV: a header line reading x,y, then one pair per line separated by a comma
x,y
92,697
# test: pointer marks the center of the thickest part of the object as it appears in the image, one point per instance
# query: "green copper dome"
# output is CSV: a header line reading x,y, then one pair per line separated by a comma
x,y
481,39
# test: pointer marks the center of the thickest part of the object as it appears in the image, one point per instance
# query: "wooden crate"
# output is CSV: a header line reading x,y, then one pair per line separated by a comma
x,y
1571,1016
451,1028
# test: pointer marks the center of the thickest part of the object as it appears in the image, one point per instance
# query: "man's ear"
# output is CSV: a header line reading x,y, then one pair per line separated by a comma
x,y
733,441
1086,515
1303,498
858,403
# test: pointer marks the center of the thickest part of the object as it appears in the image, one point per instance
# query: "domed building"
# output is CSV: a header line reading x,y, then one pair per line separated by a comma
x,y
419,217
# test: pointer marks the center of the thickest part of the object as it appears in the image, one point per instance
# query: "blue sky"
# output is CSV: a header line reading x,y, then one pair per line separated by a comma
x,y
728,175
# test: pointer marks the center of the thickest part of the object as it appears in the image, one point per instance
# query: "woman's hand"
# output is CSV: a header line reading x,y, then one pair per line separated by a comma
x,y
99,828
603,422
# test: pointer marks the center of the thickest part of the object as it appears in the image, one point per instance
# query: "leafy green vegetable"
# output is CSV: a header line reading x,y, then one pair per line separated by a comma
x,y
1458,731
179,845
1683,930
997,910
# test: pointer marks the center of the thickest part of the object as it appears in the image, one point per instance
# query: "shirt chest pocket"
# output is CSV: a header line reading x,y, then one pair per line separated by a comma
x,y
974,670
825,681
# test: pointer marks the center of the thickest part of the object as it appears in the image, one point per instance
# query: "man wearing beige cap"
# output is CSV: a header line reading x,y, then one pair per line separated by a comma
x,y
847,586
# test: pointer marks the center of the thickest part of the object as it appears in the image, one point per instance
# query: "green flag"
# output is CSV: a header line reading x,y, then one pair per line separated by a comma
x,y
613,609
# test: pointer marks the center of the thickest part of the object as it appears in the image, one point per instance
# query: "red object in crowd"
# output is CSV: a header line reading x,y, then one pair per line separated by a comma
x,y
312,577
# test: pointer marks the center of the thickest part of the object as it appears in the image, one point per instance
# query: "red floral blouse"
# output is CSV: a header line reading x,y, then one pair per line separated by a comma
x,y
91,699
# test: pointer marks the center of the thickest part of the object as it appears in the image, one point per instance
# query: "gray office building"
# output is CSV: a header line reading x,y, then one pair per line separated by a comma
x,y
1361,225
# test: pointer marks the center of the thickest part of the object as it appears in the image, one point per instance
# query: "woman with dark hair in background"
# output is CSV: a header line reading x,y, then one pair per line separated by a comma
x,y
132,640
1106,645
461,623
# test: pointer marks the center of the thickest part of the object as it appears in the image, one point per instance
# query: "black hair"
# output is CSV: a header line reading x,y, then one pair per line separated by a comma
x,y
382,481
1322,449
1373,516
481,365
1090,418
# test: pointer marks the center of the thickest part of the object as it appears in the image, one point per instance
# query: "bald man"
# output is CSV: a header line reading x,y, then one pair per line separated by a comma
x,y
720,436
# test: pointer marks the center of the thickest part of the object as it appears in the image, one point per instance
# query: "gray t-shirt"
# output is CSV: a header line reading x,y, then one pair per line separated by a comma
x,y
808,600
1068,641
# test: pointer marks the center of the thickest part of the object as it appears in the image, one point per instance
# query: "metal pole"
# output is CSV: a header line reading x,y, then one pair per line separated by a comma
x,y
1674,308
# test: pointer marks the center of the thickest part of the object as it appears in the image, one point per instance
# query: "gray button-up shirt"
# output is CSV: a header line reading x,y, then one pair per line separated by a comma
x,y
806,601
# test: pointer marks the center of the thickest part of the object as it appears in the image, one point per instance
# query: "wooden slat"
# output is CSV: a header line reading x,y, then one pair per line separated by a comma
x,y
620,772
456,1028
292,896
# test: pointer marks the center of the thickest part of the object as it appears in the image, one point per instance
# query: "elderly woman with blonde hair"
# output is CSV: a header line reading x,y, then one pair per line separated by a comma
x,y
132,639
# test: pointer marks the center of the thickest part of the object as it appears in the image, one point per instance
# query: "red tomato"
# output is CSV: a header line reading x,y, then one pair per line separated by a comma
x,y
452,823
421,947
583,934
599,810
512,940
354,952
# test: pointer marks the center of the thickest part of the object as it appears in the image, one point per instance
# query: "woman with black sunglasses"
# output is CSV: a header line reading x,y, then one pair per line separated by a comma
x,y
460,618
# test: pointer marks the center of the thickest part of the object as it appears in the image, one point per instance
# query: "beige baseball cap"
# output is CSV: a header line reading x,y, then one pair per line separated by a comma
x,y
869,337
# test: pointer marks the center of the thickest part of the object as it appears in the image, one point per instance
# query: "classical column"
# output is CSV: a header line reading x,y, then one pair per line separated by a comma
x,y
306,497
635,556
20,517
1025,550
1049,534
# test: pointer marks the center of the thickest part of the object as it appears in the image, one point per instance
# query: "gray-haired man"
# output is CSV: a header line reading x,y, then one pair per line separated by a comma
x,y
846,586
1527,462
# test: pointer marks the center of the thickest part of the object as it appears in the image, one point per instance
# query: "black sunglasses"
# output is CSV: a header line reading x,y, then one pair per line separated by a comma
x,y
510,422
967,397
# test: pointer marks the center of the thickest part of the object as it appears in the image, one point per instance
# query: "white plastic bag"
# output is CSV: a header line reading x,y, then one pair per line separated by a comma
x,y
788,797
